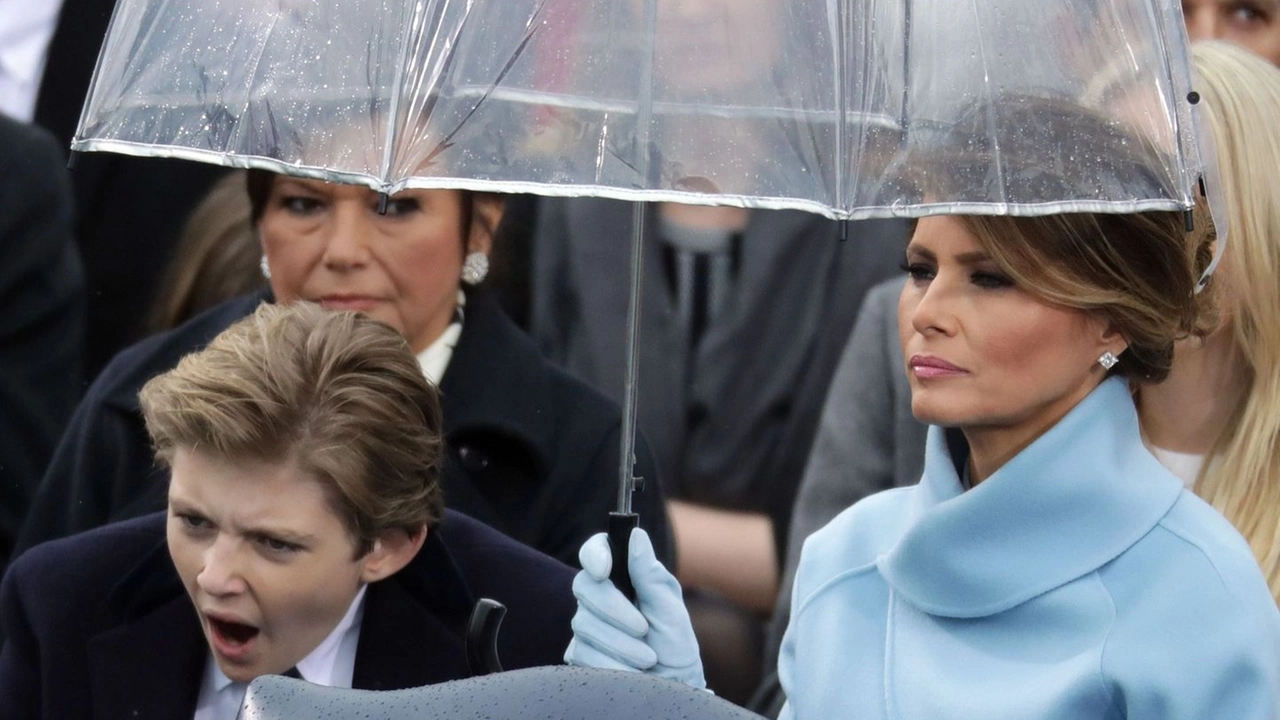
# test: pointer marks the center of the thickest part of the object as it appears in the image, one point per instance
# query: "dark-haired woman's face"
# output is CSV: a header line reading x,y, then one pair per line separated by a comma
x,y
327,243
982,352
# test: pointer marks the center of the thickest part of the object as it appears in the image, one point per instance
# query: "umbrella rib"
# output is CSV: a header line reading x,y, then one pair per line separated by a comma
x,y
529,33
236,136
990,109
842,100
397,85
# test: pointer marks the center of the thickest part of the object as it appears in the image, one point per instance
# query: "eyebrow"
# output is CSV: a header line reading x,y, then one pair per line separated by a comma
x,y
973,257
182,505
280,534
296,183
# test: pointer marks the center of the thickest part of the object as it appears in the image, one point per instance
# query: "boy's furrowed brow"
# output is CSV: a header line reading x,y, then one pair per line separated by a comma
x,y
280,534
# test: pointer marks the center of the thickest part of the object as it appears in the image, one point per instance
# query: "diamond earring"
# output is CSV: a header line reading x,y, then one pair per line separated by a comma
x,y
1108,360
475,268
264,267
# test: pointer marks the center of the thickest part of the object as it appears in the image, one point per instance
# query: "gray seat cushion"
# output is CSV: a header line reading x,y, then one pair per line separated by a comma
x,y
560,692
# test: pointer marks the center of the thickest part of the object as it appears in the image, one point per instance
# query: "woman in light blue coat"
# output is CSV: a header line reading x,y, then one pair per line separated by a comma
x,y
1046,566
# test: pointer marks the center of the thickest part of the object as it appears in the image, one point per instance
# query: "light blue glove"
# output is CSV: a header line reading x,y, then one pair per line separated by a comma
x,y
609,632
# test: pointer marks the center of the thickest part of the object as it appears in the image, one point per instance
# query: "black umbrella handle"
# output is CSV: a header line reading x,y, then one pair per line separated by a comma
x,y
482,637
620,527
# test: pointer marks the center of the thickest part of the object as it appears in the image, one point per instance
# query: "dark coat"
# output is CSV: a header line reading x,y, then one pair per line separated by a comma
x,y
736,433
42,293
532,451
129,210
100,625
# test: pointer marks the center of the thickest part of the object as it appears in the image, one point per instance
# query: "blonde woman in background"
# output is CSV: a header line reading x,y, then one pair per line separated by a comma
x,y
217,258
1251,24
1216,421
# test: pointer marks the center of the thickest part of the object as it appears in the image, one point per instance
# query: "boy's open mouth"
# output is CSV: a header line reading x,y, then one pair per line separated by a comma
x,y
232,635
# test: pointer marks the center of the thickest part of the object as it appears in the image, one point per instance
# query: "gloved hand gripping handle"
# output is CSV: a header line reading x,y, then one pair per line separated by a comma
x,y
620,527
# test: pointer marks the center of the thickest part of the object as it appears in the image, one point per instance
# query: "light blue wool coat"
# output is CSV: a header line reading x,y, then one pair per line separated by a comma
x,y
1079,581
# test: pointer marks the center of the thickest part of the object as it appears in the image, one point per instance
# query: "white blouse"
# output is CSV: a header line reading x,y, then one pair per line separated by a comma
x,y
435,359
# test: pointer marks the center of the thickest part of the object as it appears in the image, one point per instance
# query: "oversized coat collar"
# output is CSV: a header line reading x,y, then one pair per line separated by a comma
x,y
150,664
1071,502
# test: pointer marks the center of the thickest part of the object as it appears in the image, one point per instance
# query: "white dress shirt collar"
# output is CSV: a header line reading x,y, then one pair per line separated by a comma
x,y
332,663
435,359
26,29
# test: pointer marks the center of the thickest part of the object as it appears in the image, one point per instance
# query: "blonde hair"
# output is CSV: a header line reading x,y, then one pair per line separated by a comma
x,y
216,259
337,393
1241,94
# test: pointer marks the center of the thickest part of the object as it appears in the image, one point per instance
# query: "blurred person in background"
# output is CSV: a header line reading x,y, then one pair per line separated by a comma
x,y
304,535
128,210
41,329
1215,421
1251,24
744,313
531,451
216,259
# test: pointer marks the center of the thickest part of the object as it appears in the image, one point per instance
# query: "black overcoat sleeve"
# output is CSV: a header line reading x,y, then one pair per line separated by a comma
x,y
102,470
42,326
20,678
597,488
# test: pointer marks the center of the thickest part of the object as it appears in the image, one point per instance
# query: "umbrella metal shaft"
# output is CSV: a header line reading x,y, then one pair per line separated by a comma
x,y
644,119
623,520
626,466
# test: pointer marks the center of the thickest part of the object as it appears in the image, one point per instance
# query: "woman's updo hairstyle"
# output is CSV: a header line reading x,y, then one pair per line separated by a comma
x,y
1137,270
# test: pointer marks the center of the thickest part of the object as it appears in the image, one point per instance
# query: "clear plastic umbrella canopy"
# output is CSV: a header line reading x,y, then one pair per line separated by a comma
x,y
849,108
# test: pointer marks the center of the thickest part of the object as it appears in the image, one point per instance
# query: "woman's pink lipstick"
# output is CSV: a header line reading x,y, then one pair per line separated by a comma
x,y
362,303
928,367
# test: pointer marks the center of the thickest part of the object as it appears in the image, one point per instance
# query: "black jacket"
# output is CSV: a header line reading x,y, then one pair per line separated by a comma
x,y
100,625
532,451
731,420
42,293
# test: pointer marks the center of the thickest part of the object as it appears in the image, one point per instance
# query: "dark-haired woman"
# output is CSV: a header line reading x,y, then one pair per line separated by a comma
x,y
531,451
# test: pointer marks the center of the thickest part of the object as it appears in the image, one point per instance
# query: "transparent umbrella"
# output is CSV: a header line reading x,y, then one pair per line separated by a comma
x,y
804,104
848,108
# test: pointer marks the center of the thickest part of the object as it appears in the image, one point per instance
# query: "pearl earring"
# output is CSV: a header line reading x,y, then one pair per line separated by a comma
x,y
1108,360
475,268
264,267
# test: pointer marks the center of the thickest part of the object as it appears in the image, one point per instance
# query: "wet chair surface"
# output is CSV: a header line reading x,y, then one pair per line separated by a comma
x,y
562,692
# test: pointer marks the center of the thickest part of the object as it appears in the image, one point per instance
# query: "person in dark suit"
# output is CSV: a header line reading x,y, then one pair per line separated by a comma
x,y
129,210
532,452
42,289
305,534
